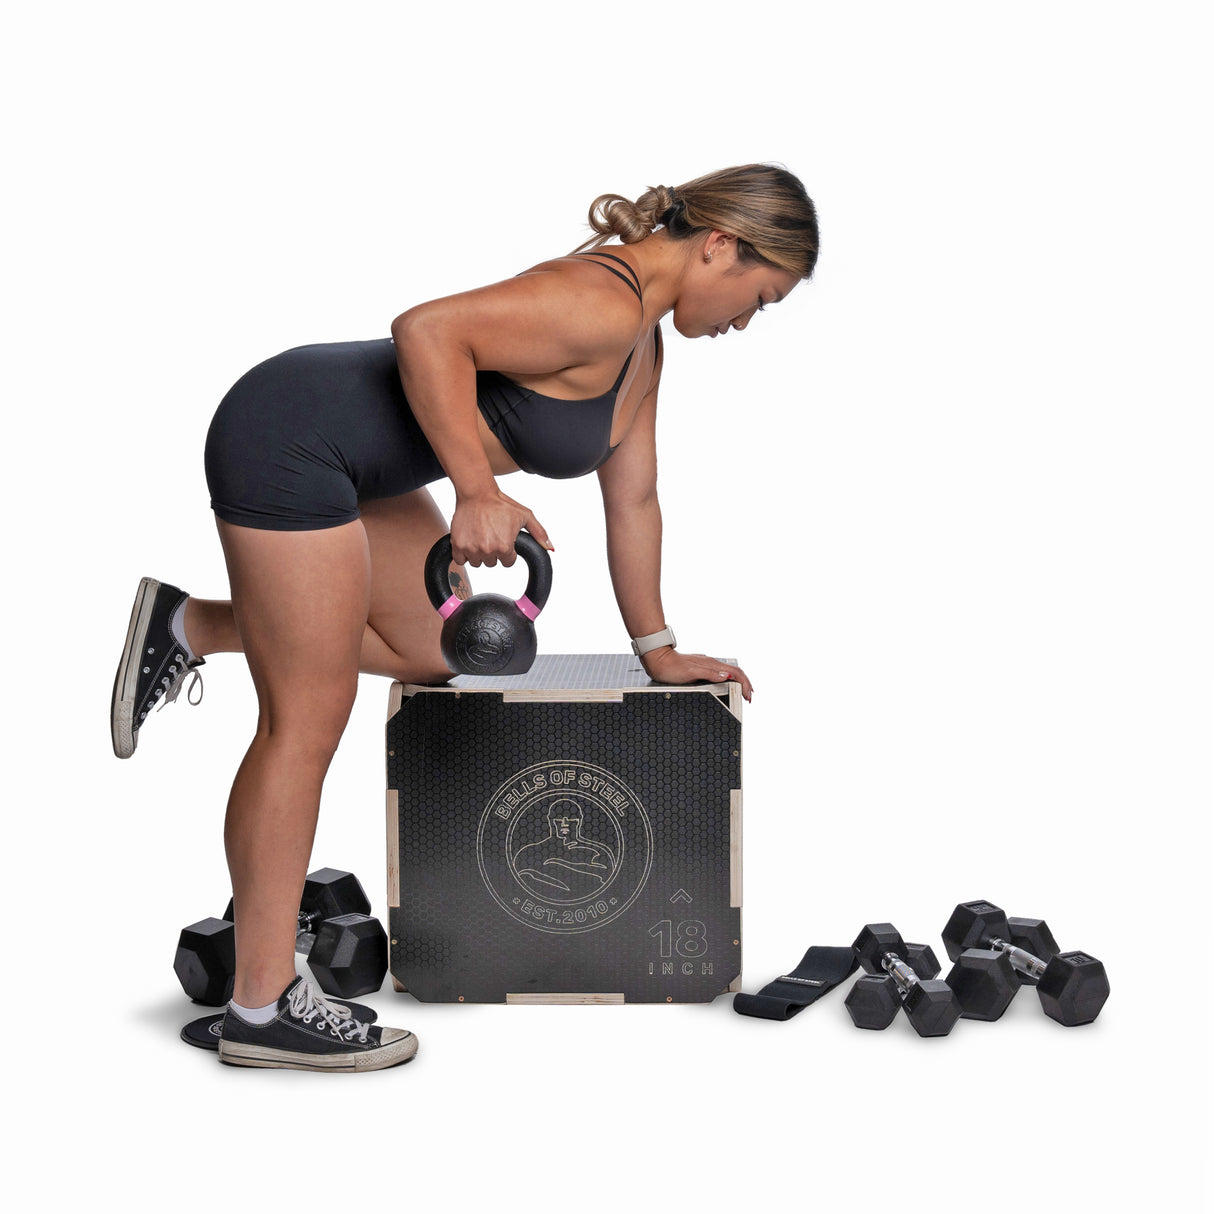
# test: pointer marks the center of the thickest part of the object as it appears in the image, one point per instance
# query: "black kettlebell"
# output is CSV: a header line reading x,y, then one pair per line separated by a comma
x,y
489,633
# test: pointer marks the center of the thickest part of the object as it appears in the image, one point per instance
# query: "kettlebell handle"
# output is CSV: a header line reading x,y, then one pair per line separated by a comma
x,y
539,576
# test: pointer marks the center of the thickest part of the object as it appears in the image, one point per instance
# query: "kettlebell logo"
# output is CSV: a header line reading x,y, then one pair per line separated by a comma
x,y
564,846
484,645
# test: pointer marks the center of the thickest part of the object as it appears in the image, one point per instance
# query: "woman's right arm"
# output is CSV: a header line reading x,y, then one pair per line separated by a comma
x,y
439,379
535,324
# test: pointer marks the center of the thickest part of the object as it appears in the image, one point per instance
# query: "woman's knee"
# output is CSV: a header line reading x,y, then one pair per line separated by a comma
x,y
308,726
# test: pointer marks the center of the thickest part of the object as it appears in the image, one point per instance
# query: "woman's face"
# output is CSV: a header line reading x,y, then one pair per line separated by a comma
x,y
723,293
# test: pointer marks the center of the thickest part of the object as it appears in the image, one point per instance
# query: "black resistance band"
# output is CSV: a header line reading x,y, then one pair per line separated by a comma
x,y
821,970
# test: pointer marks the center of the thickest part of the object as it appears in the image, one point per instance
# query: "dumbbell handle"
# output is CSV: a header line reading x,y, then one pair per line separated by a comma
x,y
904,977
1020,958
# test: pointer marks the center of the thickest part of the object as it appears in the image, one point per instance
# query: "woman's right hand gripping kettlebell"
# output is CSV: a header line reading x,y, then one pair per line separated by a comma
x,y
484,528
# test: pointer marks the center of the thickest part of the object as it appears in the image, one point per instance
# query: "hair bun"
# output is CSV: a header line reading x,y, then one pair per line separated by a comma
x,y
763,205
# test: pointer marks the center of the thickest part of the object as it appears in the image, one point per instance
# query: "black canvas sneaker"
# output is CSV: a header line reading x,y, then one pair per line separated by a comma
x,y
206,1031
153,665
310,1033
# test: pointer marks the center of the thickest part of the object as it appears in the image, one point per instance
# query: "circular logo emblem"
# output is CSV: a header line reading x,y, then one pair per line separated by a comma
x,y
485,644
564,846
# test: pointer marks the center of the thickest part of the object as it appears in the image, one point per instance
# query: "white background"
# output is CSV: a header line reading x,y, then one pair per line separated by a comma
x,y
949,505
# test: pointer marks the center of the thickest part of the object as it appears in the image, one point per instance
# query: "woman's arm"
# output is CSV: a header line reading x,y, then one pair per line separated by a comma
x,y
542,322
629,484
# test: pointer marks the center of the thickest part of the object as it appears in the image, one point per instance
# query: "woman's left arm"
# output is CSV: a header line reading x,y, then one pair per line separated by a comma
x,y
629,483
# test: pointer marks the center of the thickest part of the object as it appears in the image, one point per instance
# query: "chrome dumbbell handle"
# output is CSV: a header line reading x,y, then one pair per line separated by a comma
x,y
904,977
1020,958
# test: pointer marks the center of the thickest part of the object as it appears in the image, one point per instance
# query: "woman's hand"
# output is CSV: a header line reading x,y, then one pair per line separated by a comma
x,y
667,665
484,528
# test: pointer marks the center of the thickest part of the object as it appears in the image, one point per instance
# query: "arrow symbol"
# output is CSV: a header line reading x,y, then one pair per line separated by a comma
x,y
681,896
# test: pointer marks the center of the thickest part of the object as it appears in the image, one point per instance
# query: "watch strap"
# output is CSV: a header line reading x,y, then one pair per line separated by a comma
x,y
655,640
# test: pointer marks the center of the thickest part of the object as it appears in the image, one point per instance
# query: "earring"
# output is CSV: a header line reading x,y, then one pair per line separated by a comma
x,y
707,257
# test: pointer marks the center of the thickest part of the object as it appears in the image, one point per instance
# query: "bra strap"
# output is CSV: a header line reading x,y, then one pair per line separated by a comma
x,y
634,283
619,379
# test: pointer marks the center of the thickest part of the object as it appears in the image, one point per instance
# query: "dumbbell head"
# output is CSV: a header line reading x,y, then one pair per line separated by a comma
x,y
932,1008
350,956
873,1002
205,962
922,960
874,941
329,892
1073,988
1034,937
972,925
985,983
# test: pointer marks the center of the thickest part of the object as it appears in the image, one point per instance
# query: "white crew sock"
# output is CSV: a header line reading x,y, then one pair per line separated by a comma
x,y
255,1015
177,628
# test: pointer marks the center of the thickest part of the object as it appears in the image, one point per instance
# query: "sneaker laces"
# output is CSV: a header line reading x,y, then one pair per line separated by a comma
x,y
307,1003
174,680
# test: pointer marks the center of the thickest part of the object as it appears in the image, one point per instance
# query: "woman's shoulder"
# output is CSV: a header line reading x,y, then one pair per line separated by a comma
x,y
582,293
602,271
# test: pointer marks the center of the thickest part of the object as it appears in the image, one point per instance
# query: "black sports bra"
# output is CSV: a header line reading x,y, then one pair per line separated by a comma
x,y
544,434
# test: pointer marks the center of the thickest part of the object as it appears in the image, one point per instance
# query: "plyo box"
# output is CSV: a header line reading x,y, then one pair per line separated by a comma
x,y
569,835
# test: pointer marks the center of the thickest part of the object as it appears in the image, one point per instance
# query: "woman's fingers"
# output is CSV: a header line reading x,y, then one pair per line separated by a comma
x,y
723,672
739,676
483,533
532,524
675,667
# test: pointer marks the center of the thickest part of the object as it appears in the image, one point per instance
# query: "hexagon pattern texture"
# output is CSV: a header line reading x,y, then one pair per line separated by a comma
x,y
562,848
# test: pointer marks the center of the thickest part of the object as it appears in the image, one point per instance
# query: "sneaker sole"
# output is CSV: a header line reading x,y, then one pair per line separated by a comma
x,y
122,707
241,1054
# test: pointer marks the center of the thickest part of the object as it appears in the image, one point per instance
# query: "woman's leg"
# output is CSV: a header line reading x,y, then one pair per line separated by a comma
x,y
403,629
300,601
401,637
210,627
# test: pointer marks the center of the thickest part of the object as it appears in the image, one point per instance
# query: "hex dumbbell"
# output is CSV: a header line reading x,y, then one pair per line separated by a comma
x,y
993,958
891,981
873,1000
347,949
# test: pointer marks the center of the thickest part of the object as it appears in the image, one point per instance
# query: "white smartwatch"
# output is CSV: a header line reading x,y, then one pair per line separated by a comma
x,y
655,640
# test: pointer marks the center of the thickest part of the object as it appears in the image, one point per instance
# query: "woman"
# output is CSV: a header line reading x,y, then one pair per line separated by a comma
x,y
317,461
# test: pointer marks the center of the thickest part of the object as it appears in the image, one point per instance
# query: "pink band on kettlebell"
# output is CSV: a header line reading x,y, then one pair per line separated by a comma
x,y
527,607
450,607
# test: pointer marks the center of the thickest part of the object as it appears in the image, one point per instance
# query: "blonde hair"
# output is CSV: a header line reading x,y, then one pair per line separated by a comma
x,y
763,205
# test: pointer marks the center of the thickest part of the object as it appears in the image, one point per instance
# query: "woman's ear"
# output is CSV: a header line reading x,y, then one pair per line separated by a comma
x,y
718,244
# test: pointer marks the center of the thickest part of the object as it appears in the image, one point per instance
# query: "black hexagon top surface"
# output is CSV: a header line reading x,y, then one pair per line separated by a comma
x,y
973,925
874,941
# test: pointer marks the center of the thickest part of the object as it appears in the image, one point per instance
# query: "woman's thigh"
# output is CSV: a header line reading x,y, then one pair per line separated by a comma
x,y
400,532
300,600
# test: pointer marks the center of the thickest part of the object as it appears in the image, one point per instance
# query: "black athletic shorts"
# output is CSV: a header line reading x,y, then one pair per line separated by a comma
x,y
302,438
